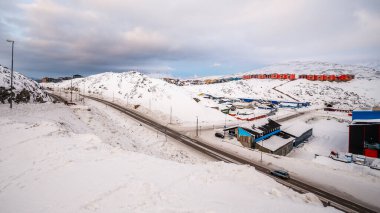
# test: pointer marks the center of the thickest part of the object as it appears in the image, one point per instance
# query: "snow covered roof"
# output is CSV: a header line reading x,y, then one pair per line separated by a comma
x,y
296,128
275,142
258,130
366,121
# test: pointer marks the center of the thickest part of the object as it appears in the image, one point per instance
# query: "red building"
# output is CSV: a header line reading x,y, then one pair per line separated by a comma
x,y
342,78
247,77
292,77
331,78
302,76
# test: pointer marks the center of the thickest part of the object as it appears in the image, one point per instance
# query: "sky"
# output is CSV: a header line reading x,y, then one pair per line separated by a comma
x,y
184,38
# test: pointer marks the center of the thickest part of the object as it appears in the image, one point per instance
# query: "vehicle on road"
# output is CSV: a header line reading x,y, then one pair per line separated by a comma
x,y
360,159
219,135
280,173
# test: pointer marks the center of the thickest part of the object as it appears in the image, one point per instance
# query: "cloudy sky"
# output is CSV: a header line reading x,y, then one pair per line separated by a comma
x,y
184,37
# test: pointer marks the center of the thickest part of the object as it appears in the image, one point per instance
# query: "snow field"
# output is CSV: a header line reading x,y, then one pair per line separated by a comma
x,y
53,162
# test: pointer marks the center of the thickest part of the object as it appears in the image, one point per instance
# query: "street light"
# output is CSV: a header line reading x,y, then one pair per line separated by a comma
x,y
13,42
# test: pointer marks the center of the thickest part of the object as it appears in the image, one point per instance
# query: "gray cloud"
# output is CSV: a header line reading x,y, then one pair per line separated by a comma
x,y
89,36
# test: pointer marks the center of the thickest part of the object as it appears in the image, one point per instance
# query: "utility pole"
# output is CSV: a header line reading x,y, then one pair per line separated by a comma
x,y
197,128
225,125
262,147
84,89
170,114
13,42
71,93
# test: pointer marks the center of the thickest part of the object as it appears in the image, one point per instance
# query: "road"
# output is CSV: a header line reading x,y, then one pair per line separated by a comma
x,y
293,116
57,98
327,198
275,88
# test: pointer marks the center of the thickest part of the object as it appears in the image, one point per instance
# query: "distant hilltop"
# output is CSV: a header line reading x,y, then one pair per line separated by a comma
x,y
59,79
310,70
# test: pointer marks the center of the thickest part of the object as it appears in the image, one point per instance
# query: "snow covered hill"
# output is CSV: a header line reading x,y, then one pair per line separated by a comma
x,y
358,93
25,89
151,95
361,92
367,70
253,88
316,67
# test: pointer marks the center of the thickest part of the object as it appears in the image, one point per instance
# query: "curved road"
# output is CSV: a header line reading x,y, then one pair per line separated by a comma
x,y
327,198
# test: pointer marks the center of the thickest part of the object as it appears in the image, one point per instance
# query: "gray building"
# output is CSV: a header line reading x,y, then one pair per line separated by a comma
x,y
300,130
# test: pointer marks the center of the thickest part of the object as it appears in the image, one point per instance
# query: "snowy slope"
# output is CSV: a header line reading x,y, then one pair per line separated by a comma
x,y
365,70
253,88
21,82
119,130
359,93
57,164
316,67
153,95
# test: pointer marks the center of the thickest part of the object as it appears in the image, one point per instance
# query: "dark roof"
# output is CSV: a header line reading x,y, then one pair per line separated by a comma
x,y
229,128
270,125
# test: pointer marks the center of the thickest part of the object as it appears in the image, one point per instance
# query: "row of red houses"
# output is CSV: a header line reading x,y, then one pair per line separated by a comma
x,y
322,77
271,76
344,77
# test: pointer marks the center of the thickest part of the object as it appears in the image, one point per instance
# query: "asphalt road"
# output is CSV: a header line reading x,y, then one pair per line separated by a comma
x,y
327,198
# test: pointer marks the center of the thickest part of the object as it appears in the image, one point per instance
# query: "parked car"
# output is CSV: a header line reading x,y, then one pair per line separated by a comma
x,y
280,173
360,159
219,135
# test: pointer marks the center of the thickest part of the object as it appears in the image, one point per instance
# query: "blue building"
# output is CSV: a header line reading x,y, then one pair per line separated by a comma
x,y
249,136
